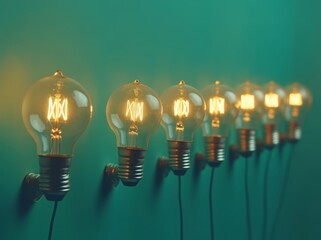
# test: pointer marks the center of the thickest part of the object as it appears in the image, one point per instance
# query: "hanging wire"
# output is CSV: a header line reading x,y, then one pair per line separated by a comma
x,y
283,189
180,207
52,220
211,204
265,195
247,200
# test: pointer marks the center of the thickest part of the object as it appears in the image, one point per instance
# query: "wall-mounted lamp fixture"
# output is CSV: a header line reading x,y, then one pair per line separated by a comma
x,y
133,112
221,111
272,114
184,110
298,102
250,98
56,110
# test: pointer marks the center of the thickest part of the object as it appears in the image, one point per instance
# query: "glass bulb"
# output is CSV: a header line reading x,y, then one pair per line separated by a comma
x,y
184,110
133,113
221,111
250,99
298,102
273,112
56,110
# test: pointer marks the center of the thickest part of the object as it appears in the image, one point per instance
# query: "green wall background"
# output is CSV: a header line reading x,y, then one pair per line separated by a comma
x,y
104,44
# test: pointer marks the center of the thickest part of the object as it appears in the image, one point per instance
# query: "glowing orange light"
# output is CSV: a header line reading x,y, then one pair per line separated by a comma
x,y
271,100
217,105
135,110
181,108
57,109
295,99
247,102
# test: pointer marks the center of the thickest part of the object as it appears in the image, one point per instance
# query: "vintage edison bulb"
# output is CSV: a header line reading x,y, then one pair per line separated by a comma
x,y
272,113
56,110
298,102
250,99
133,113
221,111
184,110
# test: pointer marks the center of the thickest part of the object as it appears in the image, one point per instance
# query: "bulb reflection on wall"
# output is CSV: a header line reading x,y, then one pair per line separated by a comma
x,y
184,110
56,110
133,113
298,102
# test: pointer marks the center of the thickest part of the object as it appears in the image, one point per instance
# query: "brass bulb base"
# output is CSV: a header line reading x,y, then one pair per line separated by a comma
x,y
54,179
247,143
131,165
179,156
271,136
294,132
215,150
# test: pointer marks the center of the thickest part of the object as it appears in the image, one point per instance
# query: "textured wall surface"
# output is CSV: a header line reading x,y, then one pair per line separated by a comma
x,y
104,44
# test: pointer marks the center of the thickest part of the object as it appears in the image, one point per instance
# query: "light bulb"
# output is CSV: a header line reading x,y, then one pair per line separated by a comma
x,y
298,102
133,113
250,99
221,111
56,110
184,110
272,114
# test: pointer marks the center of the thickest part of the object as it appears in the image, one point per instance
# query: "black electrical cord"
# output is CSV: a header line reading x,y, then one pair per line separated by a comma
x,y
180,207
52,220
265,195
211,204
283,189
247,200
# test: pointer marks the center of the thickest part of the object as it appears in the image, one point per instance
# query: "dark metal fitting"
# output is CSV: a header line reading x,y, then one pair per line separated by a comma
x,y
247,143
163,166
111,174
31,185
179,156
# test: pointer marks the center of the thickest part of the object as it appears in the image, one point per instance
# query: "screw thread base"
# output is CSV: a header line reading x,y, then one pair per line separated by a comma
x,y
131,165
294,134
246,139
271,136
179,156
214,150
54,180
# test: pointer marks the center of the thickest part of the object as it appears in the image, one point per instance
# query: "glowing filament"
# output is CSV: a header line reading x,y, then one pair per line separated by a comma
x,y
247,102
217,105
295,99
57,109
271,100
135,110
181,108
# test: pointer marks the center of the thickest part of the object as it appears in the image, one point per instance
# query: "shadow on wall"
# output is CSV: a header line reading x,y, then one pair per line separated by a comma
x,y
104,191
25,200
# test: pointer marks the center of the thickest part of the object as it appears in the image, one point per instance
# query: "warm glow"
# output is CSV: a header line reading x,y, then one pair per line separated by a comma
x,y
216,105
247,102
181,107
295,99
271,100
57,109
135,110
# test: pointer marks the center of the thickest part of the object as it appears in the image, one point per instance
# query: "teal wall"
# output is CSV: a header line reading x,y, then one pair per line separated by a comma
x,y
104,44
